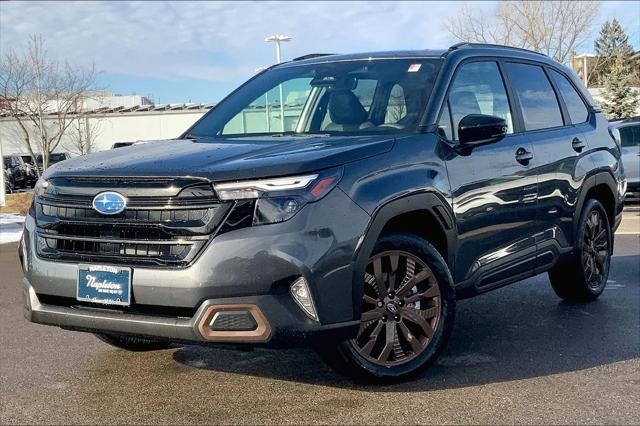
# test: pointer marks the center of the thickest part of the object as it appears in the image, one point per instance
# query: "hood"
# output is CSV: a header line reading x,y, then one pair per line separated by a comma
x,y
225,159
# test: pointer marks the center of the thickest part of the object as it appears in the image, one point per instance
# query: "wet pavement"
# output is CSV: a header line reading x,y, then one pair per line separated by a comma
x,y
517,355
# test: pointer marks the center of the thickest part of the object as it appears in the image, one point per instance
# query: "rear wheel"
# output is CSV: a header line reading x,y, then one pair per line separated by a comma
x,y
134,344
584,277
408,310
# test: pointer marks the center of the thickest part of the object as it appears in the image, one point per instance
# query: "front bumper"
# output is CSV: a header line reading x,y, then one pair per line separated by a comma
x,y
252,266
285,328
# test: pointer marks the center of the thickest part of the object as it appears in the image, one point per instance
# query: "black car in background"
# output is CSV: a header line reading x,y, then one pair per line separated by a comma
x,y
54,157
19,173
341,202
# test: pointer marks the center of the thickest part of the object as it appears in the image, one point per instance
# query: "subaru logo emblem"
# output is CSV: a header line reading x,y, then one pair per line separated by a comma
x,y
109,203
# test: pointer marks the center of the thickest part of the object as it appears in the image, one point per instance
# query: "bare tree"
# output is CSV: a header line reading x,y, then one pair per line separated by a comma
x,y
82,135
43,96
554,28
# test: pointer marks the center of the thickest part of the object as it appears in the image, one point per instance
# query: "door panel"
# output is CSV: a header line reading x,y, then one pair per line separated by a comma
x,y
494,201
559,181
493,187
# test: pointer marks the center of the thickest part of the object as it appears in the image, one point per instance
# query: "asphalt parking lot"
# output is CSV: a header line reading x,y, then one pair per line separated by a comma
x,y
518,355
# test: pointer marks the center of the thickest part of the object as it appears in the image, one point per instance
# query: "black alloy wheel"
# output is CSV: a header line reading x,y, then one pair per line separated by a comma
x,y
595,250
583,277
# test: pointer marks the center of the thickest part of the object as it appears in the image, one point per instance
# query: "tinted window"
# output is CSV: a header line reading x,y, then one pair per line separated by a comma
x,y
577,110
56,158
478,89
630,135
540,108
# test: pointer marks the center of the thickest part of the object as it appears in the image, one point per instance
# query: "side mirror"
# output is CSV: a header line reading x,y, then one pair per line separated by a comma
x,y
479,129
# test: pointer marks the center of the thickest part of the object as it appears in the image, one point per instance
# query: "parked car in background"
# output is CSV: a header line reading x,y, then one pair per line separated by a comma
x,y
121,144
19,173
54,157
402,182
630,146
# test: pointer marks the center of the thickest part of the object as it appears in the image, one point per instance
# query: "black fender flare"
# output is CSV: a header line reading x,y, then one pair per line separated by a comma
x,y
591,181
433,202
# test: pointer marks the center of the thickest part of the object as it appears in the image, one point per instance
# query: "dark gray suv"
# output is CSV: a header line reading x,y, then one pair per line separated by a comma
x,y
338,201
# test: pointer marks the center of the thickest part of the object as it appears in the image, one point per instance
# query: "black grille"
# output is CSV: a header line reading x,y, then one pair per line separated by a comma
x,y
234,321
152,230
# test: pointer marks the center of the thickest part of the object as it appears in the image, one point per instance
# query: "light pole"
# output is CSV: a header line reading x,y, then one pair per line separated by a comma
x,y
277,39
266,102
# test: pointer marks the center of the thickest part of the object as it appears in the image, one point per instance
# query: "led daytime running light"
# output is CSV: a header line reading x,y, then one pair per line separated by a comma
x,y
253,188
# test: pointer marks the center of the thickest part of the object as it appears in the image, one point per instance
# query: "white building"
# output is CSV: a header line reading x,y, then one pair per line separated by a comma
x,y
120,124
111,100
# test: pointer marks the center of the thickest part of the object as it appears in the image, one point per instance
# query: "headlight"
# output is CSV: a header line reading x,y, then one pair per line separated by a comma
x,y
41,186
279,199
255,188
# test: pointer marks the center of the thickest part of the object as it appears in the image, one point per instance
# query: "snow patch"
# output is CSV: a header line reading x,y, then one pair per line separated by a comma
x,y
10,227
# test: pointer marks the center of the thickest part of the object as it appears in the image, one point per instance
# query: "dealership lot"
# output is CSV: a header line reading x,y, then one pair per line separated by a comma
x,y
518,355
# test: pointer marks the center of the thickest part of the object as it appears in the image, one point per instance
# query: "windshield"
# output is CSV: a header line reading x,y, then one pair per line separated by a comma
x,y
347,97
53,158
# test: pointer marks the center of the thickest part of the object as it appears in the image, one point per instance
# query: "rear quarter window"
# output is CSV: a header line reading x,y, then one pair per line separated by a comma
x,y
578,112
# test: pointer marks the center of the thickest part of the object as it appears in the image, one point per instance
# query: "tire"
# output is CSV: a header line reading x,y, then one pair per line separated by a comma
x,y
400,313
133,344
584,276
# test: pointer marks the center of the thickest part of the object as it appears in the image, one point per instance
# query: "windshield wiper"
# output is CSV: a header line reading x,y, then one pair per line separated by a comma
x,y
315,135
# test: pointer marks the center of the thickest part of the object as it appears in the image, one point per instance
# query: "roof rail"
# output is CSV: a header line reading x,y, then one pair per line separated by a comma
x,y
489,46
312,55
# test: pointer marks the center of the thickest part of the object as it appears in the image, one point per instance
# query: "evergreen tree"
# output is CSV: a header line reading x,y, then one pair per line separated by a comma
x,y
611,43
620,100
612,40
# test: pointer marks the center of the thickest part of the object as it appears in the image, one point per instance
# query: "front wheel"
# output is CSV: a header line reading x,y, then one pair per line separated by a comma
x,y
584,276
131,343
408,309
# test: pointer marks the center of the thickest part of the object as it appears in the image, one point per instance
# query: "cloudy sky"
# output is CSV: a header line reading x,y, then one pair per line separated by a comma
x,y
198,51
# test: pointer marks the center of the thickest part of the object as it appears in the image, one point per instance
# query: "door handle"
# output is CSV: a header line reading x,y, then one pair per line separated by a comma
x,y
523,156
577,145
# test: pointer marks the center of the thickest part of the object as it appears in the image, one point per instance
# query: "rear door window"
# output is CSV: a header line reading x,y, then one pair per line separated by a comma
x,y
575,105
538,101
